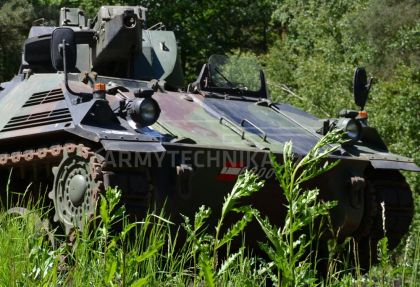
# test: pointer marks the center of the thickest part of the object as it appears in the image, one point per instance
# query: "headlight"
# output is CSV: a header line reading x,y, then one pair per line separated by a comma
x,y
352,128
143,112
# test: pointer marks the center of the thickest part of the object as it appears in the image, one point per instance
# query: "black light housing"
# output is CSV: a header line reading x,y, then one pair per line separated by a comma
x,y
143,112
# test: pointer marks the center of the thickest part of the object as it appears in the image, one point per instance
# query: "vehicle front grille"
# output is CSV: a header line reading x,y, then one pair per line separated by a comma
x,y
38,119
45,97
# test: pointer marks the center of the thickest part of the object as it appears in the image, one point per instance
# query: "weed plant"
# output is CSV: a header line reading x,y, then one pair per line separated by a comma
x,y
289,247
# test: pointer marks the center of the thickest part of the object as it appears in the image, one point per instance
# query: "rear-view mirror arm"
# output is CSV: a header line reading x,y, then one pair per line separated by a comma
x,y
62,47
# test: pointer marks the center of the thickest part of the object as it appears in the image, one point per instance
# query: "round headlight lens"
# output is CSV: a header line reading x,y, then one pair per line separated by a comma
x,y
352,128
144,111
148,111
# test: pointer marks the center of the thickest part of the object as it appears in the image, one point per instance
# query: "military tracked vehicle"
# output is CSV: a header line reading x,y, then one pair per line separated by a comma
x,y
99,103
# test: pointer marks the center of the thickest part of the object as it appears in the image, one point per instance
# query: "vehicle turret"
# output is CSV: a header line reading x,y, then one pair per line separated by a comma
x,y
115,43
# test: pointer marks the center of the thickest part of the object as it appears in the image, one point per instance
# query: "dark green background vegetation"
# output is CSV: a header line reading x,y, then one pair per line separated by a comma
x,y
308,48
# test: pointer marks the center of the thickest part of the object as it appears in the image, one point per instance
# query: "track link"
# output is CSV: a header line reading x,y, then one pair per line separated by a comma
x,y
389,210
30,161
397,208
34,156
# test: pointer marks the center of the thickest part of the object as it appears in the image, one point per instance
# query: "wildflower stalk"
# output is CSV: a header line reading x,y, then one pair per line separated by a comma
x,y
288,252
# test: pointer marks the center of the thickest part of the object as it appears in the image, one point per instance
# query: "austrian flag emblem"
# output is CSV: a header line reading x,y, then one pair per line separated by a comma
x,y
231,171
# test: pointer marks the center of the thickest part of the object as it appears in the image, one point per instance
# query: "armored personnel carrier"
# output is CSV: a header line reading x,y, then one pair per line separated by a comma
x,y
99,103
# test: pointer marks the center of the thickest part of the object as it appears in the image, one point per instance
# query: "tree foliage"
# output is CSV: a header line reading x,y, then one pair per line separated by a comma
x,y
316,56
15,18
391,28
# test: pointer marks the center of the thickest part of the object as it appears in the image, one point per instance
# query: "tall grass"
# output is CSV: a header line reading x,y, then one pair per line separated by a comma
x,y
112,251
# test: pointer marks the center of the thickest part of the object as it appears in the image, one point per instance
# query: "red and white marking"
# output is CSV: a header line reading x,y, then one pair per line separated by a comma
x,y
230,171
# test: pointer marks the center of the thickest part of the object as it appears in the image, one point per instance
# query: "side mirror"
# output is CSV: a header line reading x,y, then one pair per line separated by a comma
x,y
263,88
64,55
63,50
361,87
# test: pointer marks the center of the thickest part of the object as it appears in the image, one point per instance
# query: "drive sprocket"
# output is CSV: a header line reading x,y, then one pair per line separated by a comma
x,y
77,184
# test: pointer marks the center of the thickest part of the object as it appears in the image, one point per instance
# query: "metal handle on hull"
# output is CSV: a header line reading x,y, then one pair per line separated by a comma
x,y
241,132
263,134
233,126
